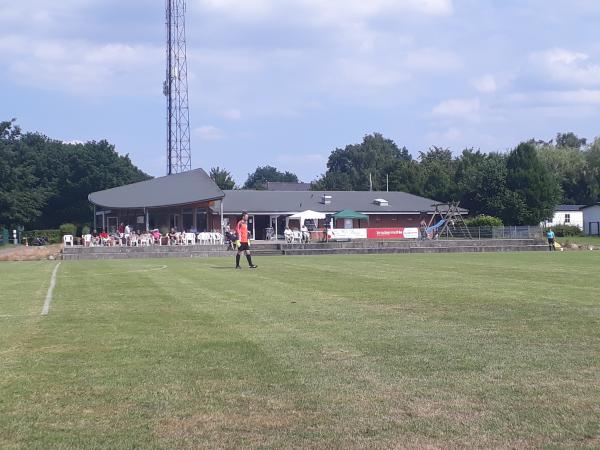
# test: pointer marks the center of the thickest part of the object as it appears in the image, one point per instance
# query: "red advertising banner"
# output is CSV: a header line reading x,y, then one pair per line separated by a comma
x,y
392,233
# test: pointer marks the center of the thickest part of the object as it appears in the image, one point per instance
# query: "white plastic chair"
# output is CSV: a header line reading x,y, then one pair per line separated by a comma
x,y
217,238
190,238
296,236
288,235
68,239
203,238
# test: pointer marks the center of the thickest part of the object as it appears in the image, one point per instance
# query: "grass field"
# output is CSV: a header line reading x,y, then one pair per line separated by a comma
x,y
581,240
340,352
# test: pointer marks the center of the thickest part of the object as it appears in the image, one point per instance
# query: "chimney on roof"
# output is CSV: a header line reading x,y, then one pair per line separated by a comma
x,y
326,199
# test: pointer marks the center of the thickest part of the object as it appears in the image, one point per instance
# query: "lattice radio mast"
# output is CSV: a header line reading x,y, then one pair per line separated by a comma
x,y
179,155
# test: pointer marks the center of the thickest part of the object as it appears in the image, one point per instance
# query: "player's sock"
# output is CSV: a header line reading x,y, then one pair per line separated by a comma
x,y
237,260
249,258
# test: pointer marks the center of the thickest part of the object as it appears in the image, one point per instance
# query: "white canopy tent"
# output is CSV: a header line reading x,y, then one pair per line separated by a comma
x,y
304,215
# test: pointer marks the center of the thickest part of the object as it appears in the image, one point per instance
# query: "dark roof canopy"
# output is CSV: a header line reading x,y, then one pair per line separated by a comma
x,y
179,189
568,207
281,202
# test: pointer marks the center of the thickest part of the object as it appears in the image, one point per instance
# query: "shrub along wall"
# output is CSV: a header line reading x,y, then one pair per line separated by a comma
x,y
565,230
53,236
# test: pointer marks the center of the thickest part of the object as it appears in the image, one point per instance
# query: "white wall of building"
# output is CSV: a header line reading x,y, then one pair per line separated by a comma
x,y
574,218
591,215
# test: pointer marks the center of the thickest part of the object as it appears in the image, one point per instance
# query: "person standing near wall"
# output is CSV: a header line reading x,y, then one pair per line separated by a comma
x,y
244,247
550,237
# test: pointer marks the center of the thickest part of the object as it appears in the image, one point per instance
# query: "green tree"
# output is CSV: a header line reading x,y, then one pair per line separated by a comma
x,y
262,175
222,178
357,166
533,190
44,182
570,140
481,182
592,175
439,170
407,176
570,167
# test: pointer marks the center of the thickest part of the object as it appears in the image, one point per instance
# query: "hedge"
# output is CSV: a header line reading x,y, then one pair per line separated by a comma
x,y
53,236
484,221
565,230
68,228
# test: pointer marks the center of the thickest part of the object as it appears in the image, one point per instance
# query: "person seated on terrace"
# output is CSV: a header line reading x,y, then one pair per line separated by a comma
x,y
172,237
288,234
104,238
305,233
156,237
95,237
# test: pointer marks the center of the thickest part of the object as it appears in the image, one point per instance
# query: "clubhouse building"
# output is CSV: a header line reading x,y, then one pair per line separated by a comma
x,y
191,201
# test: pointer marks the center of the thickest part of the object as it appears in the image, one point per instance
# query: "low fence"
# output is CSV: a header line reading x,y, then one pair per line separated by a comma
x,y
451,232
506,232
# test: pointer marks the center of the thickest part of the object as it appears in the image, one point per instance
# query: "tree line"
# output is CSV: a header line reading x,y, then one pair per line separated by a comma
x,y
521,186
45,182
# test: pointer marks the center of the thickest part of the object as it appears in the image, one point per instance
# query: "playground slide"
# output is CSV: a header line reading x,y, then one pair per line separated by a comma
x,y
436,226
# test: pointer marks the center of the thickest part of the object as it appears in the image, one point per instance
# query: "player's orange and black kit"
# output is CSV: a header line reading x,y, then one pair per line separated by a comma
x,y
242,232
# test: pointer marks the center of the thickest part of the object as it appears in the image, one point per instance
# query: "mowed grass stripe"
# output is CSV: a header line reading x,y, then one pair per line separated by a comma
x,y
313,352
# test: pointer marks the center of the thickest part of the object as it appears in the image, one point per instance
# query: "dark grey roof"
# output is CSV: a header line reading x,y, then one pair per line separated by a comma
x,y
286,186
179,189
288,202
568,207
590,206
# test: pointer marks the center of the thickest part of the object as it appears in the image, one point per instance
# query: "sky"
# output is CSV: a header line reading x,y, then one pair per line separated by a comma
x,y
285,82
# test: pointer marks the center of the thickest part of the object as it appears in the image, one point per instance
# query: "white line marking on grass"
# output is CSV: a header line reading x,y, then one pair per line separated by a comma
x,y
102,274
10,316
48,300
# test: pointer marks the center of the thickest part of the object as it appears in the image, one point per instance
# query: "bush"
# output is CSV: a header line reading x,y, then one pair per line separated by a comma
x,y
85,230
68,228
53,236
565,230
484,221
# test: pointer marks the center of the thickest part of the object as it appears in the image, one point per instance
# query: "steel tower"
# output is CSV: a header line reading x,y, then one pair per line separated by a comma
x,y
179,155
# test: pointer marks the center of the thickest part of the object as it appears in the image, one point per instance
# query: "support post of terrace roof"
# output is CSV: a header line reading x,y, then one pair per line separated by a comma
x,y
95,217
221,210
147,217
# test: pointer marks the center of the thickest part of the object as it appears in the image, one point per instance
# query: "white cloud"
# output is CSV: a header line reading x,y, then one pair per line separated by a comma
x,y
431,59
445,137
458,109
566,67
209,133
485,84
79,66
322,11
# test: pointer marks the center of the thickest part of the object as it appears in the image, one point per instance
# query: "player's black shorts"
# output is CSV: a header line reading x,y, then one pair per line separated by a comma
x,y
243,247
